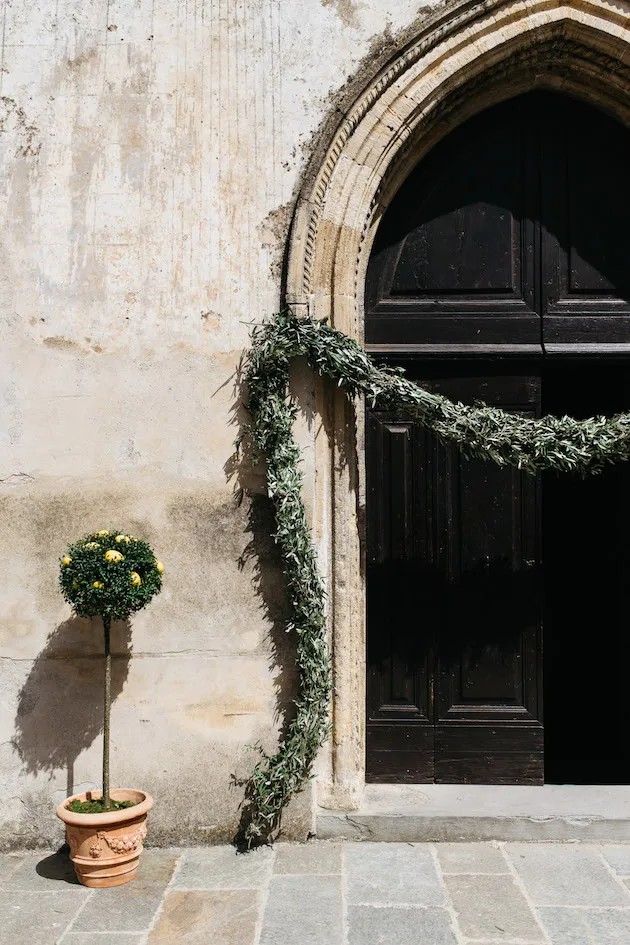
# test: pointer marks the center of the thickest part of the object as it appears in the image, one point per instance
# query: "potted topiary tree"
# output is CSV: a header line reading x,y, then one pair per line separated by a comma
x,y
110,575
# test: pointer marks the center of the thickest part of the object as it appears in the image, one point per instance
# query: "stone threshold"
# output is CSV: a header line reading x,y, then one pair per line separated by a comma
x,y
418,813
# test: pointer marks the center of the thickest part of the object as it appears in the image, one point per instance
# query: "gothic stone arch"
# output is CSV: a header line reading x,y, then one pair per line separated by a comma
x,y
466,57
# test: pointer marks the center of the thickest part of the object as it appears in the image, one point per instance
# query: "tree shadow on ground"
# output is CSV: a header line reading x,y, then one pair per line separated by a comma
x,y
59,867
60,705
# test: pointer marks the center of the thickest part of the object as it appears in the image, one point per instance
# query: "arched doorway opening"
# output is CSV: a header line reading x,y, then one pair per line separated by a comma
x,y
497,603
462,59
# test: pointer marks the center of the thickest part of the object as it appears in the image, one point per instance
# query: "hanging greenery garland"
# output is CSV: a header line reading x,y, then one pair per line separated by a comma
x,y
533,445
275,779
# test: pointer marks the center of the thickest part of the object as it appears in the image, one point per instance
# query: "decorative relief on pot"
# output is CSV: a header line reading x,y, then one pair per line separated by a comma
x,y
95,848
124,844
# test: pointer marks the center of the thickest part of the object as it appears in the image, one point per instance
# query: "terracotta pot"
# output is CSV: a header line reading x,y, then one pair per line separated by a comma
x,y
105,848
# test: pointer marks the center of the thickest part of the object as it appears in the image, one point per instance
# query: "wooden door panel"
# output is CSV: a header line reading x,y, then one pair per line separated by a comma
x,y
471,246
487,754
401,754
584,222
488,653
454,259
491,607
400,729
452,554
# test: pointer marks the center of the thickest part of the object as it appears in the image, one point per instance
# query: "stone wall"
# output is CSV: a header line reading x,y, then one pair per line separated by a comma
x,y
151,152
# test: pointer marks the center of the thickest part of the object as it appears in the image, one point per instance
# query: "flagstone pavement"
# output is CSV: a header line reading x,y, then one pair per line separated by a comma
x,y
330,893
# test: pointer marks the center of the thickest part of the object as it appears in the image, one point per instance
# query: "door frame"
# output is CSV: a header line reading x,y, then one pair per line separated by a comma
x,y
453,66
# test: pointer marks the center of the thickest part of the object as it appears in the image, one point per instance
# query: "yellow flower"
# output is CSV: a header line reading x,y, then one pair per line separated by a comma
x,y
98,585
93,546
65,561
124,538
102,534
160,567
113,556
136,580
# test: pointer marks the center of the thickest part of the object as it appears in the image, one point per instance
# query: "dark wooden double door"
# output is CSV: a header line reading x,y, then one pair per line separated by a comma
x,y
497,602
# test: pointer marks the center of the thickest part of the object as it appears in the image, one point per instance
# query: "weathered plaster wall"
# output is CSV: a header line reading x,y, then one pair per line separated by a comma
x,y
150,154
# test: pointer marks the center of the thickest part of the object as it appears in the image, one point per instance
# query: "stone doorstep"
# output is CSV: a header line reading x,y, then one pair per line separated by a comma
x,y
474,812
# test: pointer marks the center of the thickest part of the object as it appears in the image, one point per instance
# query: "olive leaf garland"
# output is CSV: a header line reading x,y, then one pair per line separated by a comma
x,y
275,779
531,444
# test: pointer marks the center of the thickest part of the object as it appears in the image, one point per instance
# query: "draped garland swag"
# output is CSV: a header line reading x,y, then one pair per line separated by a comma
x,y
532,444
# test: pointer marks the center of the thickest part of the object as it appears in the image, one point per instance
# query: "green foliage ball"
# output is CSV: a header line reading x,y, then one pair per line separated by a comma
x,y
109,574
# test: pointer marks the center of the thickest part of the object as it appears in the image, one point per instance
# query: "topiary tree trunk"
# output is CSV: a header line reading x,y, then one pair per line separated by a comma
x,y
107,708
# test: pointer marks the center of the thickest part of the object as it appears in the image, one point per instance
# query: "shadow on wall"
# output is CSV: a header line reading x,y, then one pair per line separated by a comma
x,y
60,705
246,471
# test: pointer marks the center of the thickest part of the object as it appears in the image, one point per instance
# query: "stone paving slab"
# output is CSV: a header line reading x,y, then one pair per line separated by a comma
x,y
618,858
224,868
45,872
566,876
586,927
207,917
307,858
36,918
104,938
492,907
303,910
330,893
470,858
392,874
9,862
399,925
129,908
